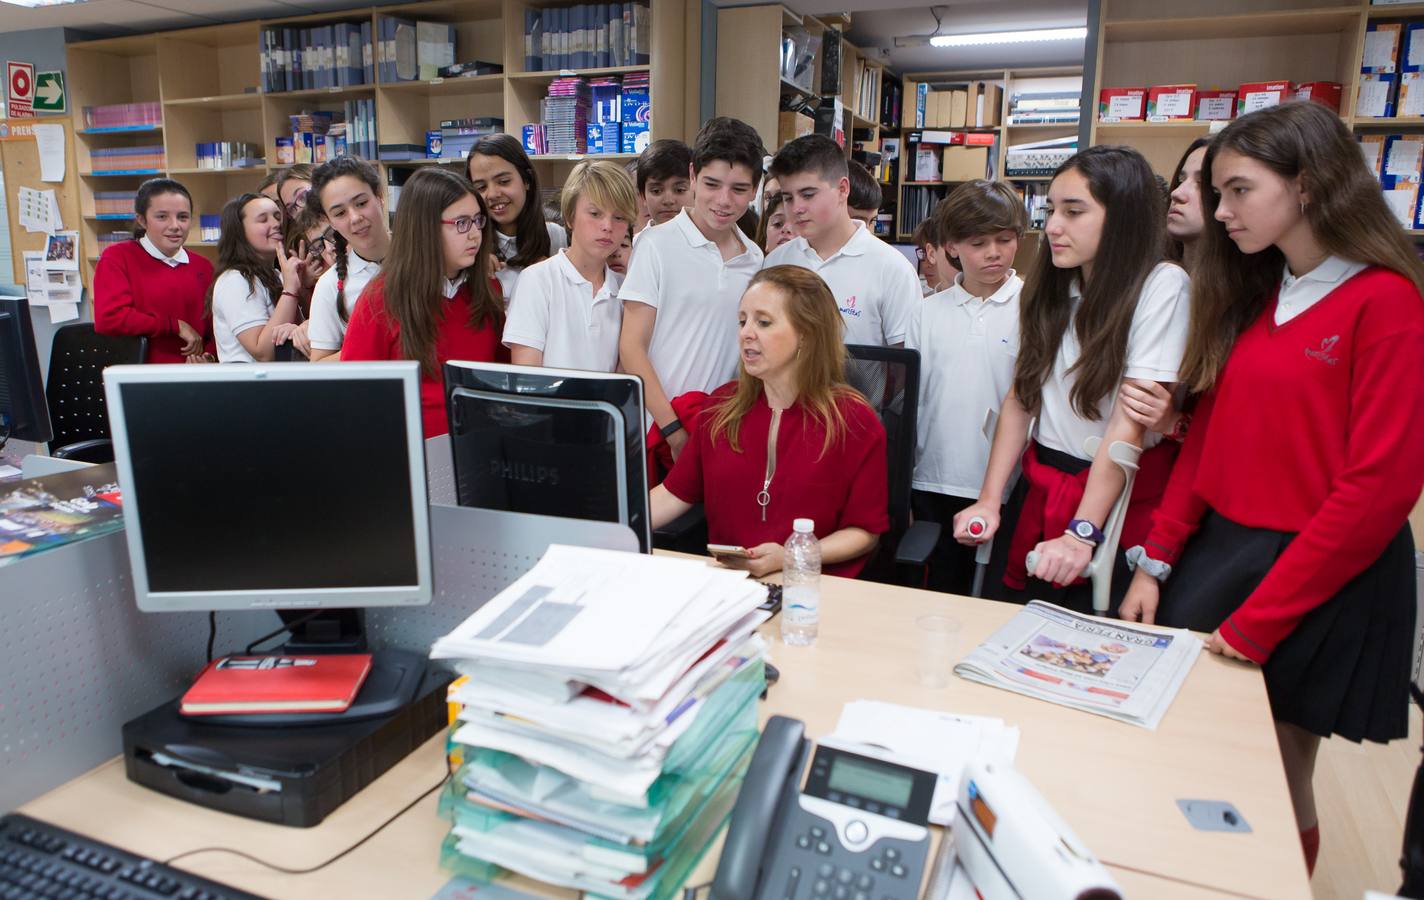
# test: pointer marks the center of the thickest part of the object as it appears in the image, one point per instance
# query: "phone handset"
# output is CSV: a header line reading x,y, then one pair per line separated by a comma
x,y
772,784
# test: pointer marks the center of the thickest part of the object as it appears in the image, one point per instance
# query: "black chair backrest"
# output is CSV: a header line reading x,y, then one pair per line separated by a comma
x,y
889,377
74,390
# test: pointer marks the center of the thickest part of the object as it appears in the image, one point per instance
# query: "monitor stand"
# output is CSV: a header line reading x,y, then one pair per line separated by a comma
x,y
390,686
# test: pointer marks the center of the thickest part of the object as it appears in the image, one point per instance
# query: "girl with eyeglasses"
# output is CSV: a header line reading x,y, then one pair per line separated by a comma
x,y
435,298
293,185
347,192
307,237
151,286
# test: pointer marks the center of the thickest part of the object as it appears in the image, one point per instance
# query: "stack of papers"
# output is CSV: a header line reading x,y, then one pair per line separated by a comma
x,y
608,711
1122,670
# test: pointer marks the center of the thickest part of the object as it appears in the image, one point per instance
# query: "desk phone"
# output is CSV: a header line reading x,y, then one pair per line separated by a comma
x,y
858,830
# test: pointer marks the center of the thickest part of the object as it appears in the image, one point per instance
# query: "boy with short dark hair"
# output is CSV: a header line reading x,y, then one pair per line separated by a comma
x,y
874,286
865,195
686,279
663,179
968,338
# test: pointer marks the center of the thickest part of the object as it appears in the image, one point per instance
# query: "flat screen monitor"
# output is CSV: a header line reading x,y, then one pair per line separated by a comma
x,y
23,413
272,486
554,442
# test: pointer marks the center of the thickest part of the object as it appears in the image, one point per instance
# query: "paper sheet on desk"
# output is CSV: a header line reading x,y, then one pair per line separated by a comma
x,y
926,739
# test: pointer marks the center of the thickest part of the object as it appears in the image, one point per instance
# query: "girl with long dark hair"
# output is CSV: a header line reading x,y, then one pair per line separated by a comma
x,y
1099,307
435,298
257,289
347,192
1284,530
505,179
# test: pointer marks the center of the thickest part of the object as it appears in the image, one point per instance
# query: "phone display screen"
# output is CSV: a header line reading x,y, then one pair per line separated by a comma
x,y
863,778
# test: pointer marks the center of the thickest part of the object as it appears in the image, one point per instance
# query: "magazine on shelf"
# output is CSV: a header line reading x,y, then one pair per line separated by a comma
x,y
1122,670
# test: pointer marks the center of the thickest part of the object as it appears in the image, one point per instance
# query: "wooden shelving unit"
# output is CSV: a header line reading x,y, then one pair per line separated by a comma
x,y
207,82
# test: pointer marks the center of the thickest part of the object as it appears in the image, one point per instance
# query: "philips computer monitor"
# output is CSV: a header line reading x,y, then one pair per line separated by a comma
x,y
276,486
554,442
23,413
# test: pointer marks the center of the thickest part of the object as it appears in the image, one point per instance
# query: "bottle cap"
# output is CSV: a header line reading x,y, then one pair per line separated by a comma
x,y
804,526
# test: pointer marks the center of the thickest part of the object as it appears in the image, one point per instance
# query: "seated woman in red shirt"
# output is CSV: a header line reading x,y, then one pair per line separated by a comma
x,y
151,286
1284,529
436,298
788,439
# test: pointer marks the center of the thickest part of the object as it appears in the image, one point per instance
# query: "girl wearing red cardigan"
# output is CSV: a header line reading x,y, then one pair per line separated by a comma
x,y
150,285
436,298
1283,531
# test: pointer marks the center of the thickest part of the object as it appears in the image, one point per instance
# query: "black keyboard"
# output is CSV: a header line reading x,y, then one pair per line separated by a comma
x,y
39,860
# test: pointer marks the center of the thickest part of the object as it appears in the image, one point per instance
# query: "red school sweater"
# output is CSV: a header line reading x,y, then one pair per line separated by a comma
x,y
135,294
1315,427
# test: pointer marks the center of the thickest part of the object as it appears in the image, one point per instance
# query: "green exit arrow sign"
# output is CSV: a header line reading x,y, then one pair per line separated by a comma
x,y
49,92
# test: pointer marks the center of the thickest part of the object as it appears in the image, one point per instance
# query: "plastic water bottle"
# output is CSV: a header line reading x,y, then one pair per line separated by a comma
x,y
801,585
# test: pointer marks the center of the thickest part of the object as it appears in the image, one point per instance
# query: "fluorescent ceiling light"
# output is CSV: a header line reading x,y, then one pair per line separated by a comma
x,y
1009,37
34,3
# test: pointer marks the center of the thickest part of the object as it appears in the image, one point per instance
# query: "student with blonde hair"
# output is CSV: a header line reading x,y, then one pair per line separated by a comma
x,y
565,312
788,439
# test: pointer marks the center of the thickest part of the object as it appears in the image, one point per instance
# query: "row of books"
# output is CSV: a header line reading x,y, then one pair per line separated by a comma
x,y
1391,80
1397,160
228,155
1045,107
209,228
127,159
123,115
604,758
587,36
337,55
975,105
114,203
410,50
109,238
454,139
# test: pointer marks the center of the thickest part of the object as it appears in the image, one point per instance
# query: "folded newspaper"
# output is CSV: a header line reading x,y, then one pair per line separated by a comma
x,y
1122,670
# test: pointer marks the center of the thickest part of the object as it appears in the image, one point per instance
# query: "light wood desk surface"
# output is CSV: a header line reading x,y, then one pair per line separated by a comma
x,y
1115,784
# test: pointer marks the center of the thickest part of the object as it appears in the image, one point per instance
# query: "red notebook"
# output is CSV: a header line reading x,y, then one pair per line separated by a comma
x,y
239,685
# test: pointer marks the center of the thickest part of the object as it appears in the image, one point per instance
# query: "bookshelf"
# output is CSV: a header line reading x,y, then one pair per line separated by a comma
x,y
207,85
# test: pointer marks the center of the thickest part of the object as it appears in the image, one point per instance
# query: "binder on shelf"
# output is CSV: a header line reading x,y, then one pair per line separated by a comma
x,y
1375,97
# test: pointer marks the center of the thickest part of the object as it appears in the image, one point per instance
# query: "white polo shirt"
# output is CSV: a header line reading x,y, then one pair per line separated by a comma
x,y
237,308
555,311
967,346
681,274
1299,294
508,245
173,262
874,285
1156,342
327,331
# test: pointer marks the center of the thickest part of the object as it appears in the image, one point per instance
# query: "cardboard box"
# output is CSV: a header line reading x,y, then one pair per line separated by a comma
x,y
964,163
1122,104
1256,95
1375,95
1215,106
1326,93
993,105
958,108
1171,101
1381,51
792,125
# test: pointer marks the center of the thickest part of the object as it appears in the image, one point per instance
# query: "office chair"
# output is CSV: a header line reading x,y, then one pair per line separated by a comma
x,y
889,377
74,390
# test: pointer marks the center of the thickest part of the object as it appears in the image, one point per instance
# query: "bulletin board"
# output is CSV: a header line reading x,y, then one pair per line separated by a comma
x,y
20,157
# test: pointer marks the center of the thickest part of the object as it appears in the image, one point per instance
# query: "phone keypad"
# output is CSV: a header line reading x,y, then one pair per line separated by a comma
x,y
818,867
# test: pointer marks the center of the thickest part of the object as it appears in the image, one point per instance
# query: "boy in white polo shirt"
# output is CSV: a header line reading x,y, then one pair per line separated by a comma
x,y
687,276
875,287
565,313
968,338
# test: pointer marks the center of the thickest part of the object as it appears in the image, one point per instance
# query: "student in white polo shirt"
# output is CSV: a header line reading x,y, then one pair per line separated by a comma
x,y
968,339
565,312
875,287
686,279
347,192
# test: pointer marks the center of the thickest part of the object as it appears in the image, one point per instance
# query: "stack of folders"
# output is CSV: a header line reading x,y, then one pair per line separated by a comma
x,y
607,716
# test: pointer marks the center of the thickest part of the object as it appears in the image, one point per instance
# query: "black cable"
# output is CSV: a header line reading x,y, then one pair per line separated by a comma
x,y
286,871
212,632
286,627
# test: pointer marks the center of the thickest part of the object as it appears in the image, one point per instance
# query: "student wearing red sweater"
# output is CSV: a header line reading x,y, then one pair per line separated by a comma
x,y
436,298
1283,530
151,286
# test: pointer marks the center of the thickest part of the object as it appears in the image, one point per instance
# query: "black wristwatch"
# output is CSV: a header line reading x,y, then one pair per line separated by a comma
x,y
1086,532
671,428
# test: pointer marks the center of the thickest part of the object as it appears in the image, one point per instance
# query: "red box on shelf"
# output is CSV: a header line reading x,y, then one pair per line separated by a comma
x,y
1171,101
1122,104
1213,106
1326,93
1256,95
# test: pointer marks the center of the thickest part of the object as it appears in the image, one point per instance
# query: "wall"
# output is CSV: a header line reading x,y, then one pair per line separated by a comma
x,y
45,48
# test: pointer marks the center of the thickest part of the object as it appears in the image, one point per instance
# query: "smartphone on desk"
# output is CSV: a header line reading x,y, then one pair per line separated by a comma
x,y
729,550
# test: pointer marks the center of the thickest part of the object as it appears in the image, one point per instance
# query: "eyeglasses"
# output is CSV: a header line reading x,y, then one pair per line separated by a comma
x,y
298,202
919,253
465,223
319,244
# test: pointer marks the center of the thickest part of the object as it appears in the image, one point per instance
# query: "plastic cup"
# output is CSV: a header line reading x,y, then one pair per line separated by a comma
x,y
938,637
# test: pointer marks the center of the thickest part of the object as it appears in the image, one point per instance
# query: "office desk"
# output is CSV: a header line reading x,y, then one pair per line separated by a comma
x,y
1116,784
